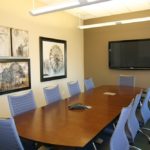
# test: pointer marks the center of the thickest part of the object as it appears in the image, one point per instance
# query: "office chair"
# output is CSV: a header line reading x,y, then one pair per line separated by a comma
x,y
145,110
52,94
21,103
132,122
9,138
126,80
89,84
133,126
144,115
73,88
119,139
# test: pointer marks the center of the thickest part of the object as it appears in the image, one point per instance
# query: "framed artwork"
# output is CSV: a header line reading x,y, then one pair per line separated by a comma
x,y
20,43
53,63
5,41
14,75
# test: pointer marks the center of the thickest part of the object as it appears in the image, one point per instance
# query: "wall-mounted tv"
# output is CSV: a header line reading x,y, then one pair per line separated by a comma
x,y
129,54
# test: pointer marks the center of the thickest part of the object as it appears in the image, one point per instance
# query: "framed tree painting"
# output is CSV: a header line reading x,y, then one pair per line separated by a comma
x,y
14,75
5,41
20,43
53,63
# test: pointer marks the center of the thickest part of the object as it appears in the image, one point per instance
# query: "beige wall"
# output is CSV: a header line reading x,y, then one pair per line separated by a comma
x,y
96,49
15,14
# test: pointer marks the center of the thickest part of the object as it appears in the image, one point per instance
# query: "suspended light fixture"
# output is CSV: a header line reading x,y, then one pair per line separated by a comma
x,y
134,20
62,6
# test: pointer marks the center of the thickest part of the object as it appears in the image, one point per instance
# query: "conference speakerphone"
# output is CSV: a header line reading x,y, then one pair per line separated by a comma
x,y
78,106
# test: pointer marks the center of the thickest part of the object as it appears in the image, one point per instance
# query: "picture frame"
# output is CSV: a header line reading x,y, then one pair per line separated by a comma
x,y
14,75
20,43
53,59
5,41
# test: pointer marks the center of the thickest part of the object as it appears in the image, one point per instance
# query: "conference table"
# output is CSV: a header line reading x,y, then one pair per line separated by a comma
x,y
57,125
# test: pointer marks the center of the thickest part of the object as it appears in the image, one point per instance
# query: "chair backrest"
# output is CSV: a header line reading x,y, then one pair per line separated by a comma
x,y
9,138
127,80
52,94
132,122
74,88
21,103
119,139
89,84
145,110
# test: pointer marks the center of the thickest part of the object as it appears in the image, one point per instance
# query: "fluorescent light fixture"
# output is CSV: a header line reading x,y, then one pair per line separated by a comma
x,y
114,23
63,6
52,8
135,20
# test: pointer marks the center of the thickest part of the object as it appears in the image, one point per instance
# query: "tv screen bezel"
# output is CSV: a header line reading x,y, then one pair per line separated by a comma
x,y
125,68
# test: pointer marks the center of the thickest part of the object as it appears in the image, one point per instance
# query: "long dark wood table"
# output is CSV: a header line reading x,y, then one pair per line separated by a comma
x,y
55,124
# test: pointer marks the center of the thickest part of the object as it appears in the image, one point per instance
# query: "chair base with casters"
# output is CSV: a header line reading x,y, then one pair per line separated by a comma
x,y
99,141
143,130
140,142
147,136
134,147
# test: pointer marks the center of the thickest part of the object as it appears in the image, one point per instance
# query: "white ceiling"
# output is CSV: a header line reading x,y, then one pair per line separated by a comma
x,y
102,9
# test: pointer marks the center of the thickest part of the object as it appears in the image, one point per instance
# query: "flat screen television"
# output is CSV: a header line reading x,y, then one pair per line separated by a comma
x,y
129,54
